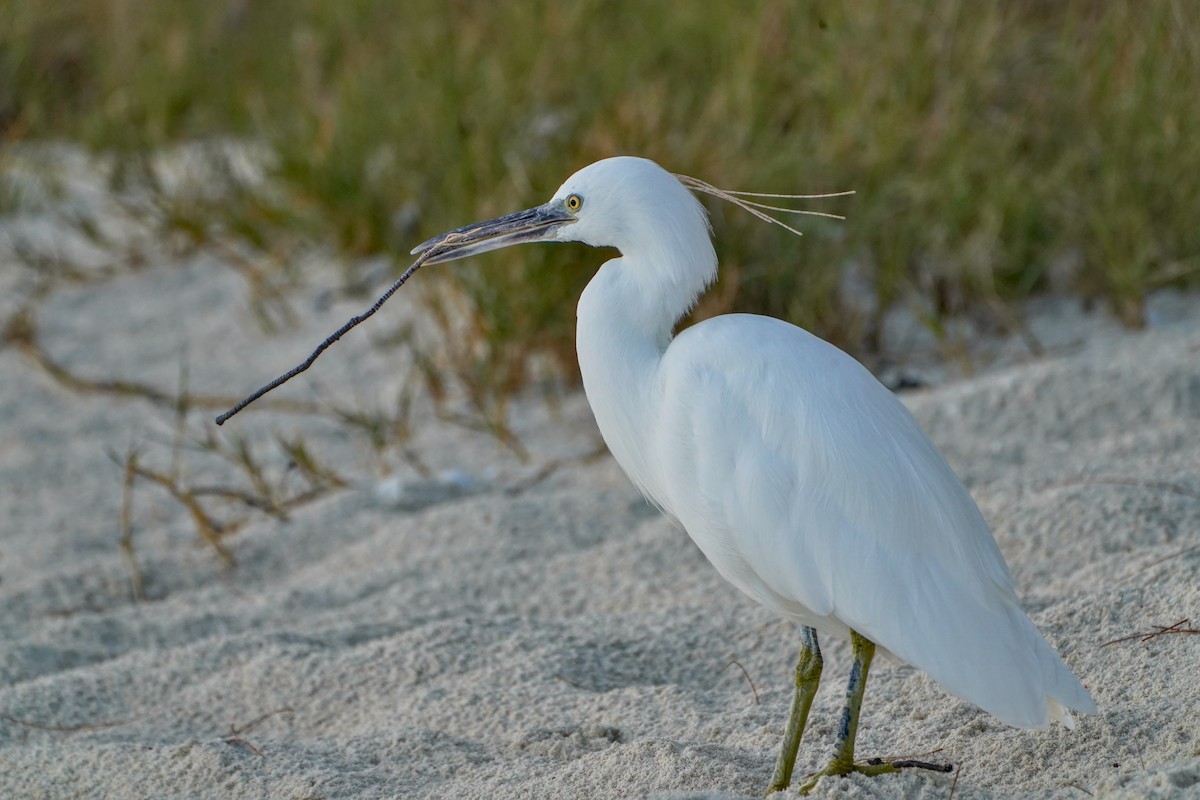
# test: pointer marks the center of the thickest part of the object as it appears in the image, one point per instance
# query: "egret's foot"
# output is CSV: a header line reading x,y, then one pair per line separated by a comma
x,y
876,766
836,768
843,762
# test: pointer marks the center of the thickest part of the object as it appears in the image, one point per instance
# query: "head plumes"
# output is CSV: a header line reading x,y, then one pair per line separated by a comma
x,y
759,208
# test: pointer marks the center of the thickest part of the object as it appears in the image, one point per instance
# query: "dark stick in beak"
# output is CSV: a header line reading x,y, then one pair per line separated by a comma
x,y
534,225
323,346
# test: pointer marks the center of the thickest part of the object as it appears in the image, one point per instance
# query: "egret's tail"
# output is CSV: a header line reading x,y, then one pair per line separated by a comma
x,y
980,647
1064,692
1060,713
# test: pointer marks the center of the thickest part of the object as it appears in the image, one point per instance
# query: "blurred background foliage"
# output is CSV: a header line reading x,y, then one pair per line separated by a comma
x,y
998,149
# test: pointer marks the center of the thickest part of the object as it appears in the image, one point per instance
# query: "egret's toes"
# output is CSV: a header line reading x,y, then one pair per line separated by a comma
x,y
841,768
875,766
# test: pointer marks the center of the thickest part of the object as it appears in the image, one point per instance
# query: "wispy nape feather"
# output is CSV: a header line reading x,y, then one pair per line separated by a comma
x,y
759,209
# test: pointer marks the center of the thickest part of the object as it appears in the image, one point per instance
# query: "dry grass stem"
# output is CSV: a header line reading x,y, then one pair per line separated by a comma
x,y
86,726
20,332
126,542
1160,486
209,529
1159,630
749,680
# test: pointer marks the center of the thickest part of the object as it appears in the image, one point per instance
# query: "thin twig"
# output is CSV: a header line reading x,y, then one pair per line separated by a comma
x,y
329,341
1158,561
182,407
20,331
738,664
954,785
911,764
235,731
257,502
1162,486
1159,630
84,726
576,684
238,730
135,574
552,466
210,530
244,743
543,472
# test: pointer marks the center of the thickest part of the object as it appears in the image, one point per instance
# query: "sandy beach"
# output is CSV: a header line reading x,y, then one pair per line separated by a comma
x,y
506,630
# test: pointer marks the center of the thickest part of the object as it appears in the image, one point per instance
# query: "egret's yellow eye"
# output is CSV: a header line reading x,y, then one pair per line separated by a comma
x,y
574,202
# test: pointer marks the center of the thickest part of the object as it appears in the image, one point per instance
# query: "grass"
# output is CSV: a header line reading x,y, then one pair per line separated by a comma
x,y
998,150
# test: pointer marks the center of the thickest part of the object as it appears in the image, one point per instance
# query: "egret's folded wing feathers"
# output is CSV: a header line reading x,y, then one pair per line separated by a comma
x,y
815,488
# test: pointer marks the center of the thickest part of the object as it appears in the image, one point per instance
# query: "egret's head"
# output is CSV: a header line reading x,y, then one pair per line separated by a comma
x,y
619,202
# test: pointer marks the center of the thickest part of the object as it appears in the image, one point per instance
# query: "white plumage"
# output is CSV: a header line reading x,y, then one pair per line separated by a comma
x,y
804,481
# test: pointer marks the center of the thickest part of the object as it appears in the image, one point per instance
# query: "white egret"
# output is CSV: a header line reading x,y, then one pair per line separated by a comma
x,y
805,482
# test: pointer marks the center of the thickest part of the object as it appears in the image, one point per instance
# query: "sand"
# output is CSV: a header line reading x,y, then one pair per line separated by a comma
x,y
479,634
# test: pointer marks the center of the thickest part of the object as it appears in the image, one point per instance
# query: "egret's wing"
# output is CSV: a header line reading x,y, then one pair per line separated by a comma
x,y
807,482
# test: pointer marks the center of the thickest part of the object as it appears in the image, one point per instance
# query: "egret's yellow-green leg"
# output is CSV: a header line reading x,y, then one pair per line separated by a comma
x,y
843,755
808,677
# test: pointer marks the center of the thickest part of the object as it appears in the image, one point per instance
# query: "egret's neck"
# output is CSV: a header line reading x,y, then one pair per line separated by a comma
x,y
626,318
